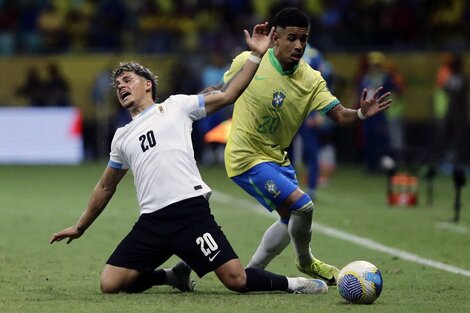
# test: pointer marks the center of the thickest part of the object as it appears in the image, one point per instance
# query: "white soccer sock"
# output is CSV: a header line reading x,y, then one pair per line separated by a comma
x,y
274,241
292,283
300,231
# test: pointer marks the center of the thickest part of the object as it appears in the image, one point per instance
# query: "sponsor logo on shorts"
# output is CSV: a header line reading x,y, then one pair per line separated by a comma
x,y
211,258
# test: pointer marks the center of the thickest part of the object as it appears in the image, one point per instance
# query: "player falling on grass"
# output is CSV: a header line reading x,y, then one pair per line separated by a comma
x,y
175,215
284,91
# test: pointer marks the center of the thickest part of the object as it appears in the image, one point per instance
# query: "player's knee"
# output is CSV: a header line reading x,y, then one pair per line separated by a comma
x,y
235,281
108,284
303,205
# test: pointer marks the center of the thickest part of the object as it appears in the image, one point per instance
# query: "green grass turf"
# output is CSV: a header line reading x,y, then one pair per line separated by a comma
x,y
38,277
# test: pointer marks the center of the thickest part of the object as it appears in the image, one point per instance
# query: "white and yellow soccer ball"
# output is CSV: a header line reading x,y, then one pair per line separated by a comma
x,y
360,282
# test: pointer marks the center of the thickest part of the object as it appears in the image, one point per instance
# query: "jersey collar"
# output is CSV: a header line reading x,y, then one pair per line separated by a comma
x,y
277,66
143,112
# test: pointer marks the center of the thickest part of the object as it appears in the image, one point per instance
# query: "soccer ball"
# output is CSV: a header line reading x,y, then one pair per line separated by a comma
x,y
360,282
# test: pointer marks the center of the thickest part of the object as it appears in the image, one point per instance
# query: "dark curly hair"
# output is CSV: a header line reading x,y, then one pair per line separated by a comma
x,y
291,17
138,70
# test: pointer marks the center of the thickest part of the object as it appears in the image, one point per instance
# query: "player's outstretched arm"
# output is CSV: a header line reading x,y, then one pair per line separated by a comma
x,y
103,192
210,89
258,42
368,107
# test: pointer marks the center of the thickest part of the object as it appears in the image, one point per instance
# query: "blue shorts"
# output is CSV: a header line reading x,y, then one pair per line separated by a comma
x,y
269,183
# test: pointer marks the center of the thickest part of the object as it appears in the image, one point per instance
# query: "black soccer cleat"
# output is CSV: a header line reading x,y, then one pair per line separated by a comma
x,y
184,282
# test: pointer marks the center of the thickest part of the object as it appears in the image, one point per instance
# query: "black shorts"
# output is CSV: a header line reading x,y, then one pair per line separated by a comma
x,y
186,229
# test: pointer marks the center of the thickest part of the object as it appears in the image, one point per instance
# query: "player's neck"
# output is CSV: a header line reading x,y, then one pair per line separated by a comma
x,y
141,107
285,66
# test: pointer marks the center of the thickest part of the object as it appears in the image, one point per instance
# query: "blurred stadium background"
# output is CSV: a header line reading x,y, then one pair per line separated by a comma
x,y
56,53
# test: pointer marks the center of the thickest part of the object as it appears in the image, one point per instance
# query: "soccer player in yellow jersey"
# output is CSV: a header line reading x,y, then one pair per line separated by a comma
x,y
266,117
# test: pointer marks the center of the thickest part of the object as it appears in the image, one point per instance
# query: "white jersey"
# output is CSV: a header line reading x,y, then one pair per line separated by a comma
x,y
157,147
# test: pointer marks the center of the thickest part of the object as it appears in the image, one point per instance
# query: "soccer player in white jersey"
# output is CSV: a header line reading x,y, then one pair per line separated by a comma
x,y
175,216
266,117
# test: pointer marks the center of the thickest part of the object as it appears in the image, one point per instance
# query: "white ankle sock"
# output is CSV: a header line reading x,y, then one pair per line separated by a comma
x,y
292,283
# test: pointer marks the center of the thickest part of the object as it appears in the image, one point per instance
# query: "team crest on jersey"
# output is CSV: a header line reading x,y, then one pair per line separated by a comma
x,y
271,188
278,98
161,109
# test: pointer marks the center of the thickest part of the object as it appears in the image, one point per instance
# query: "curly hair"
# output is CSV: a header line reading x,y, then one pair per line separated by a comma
x,y
138,70
291,17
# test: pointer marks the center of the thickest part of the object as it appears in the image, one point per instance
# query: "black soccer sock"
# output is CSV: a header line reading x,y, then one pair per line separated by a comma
x,y
148,279
261,280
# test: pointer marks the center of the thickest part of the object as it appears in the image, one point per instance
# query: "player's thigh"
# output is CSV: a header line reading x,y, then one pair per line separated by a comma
x,y
202,243
141,251
145,247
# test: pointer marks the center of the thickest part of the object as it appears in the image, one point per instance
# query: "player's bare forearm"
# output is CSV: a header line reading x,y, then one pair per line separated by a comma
x,y
231,90
211,89
368,107
102,193
96,205
343,116
259,43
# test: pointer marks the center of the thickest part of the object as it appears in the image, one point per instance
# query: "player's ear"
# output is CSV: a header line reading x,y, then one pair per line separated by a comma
x,y
148,85
275,38
277,35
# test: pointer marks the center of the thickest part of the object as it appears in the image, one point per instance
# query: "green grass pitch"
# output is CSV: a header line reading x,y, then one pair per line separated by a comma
x,y
36,201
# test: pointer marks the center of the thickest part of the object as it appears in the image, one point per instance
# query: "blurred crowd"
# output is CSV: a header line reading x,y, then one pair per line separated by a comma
x,y
165,26
210,31
54,90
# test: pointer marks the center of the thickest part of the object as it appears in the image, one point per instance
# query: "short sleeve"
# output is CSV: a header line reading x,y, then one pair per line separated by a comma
x,y
236,65
116,159
192,105
324,100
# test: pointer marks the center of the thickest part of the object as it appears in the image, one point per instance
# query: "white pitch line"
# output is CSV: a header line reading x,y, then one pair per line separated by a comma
x,y
452,227
336,233
368,243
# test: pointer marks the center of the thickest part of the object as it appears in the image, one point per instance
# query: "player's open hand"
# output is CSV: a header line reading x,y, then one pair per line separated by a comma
x,y
377,103
71,233
260,40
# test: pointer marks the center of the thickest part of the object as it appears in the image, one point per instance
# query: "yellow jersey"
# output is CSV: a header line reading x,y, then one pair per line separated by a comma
x,y
268,114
